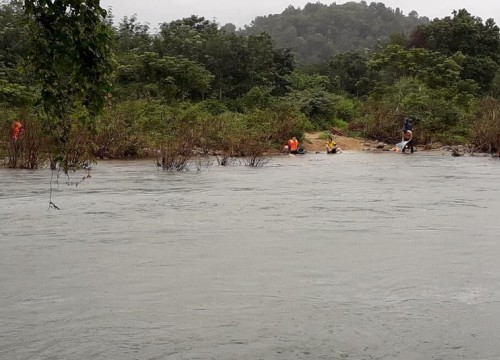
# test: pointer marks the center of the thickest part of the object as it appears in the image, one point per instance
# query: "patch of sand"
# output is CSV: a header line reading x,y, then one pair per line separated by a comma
x,y
312,143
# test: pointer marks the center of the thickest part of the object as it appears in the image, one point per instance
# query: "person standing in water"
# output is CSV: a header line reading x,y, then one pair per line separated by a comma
x,y
408,135
17,129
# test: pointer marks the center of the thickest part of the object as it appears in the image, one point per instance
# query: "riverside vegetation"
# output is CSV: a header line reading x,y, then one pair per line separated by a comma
x,y
86,89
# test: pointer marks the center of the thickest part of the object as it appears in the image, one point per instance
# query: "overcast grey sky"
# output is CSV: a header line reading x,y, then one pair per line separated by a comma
x,y
243,12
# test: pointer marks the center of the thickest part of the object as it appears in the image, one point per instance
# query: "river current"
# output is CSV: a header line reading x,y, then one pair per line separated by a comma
x,y
351,256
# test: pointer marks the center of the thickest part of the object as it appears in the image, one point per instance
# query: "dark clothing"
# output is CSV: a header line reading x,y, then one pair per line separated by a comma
x,y
407,134
332,151
408,146
408,125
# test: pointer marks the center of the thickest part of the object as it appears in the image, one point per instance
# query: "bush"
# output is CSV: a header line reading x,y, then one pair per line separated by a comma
x,y
341,124
346,110
379,123
259,97
318,105
283,122
487,126
214,107
324,135
29,151
118,132
6,118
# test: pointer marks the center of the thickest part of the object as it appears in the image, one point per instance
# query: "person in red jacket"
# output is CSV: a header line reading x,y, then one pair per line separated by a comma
x,y
17,129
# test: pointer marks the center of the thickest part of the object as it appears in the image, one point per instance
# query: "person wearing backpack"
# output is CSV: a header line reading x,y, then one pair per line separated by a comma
x,y
408,135
408,125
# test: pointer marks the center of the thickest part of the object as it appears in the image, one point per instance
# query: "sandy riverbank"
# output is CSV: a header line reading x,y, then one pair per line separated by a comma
x,y
313,143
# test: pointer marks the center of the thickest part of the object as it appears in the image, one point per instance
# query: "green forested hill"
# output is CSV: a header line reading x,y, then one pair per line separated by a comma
x,y
318,31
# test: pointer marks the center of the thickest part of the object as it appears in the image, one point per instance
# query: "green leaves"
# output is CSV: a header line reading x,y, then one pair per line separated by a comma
x,y
168,77
319,31
14,83
193,59
71,56
477,42
433,68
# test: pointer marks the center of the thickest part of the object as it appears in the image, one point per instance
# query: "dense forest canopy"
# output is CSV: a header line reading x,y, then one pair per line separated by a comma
x,y
113,89
318,31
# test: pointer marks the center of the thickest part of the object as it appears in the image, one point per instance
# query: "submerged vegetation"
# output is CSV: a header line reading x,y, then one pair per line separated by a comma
x,y
85,88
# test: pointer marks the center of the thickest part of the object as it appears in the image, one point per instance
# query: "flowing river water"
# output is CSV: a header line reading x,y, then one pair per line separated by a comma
x,y
352,256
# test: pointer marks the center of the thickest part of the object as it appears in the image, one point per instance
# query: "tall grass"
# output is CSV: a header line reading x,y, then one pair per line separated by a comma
x,y
487,126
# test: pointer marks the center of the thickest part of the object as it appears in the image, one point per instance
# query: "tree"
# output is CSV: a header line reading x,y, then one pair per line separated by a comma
x,y
284,62
229,27
319,31
14,85
168,77
465,34
222,60
71,60
433,68
132,35
310,93
186,37
238,62
349,72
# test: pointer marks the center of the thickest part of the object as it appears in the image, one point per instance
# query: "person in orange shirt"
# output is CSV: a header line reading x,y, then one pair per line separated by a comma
x,y
17,129
293,146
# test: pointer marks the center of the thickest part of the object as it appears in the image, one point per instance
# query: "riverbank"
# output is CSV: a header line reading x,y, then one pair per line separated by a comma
x,y
313,142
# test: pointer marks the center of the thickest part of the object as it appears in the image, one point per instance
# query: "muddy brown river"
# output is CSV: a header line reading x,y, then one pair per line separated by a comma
x,y
351,256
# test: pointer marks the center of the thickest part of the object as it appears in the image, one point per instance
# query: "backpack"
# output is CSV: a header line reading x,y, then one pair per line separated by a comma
x,y
408,125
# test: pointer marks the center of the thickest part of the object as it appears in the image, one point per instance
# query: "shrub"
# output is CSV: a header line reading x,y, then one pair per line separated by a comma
x,y
324,135
487,126
177,141
118,132
341,124
259,97
6,117
346,110
29,151
379,123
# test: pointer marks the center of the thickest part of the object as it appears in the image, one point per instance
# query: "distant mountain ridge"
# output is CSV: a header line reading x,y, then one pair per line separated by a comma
x,y
318,31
